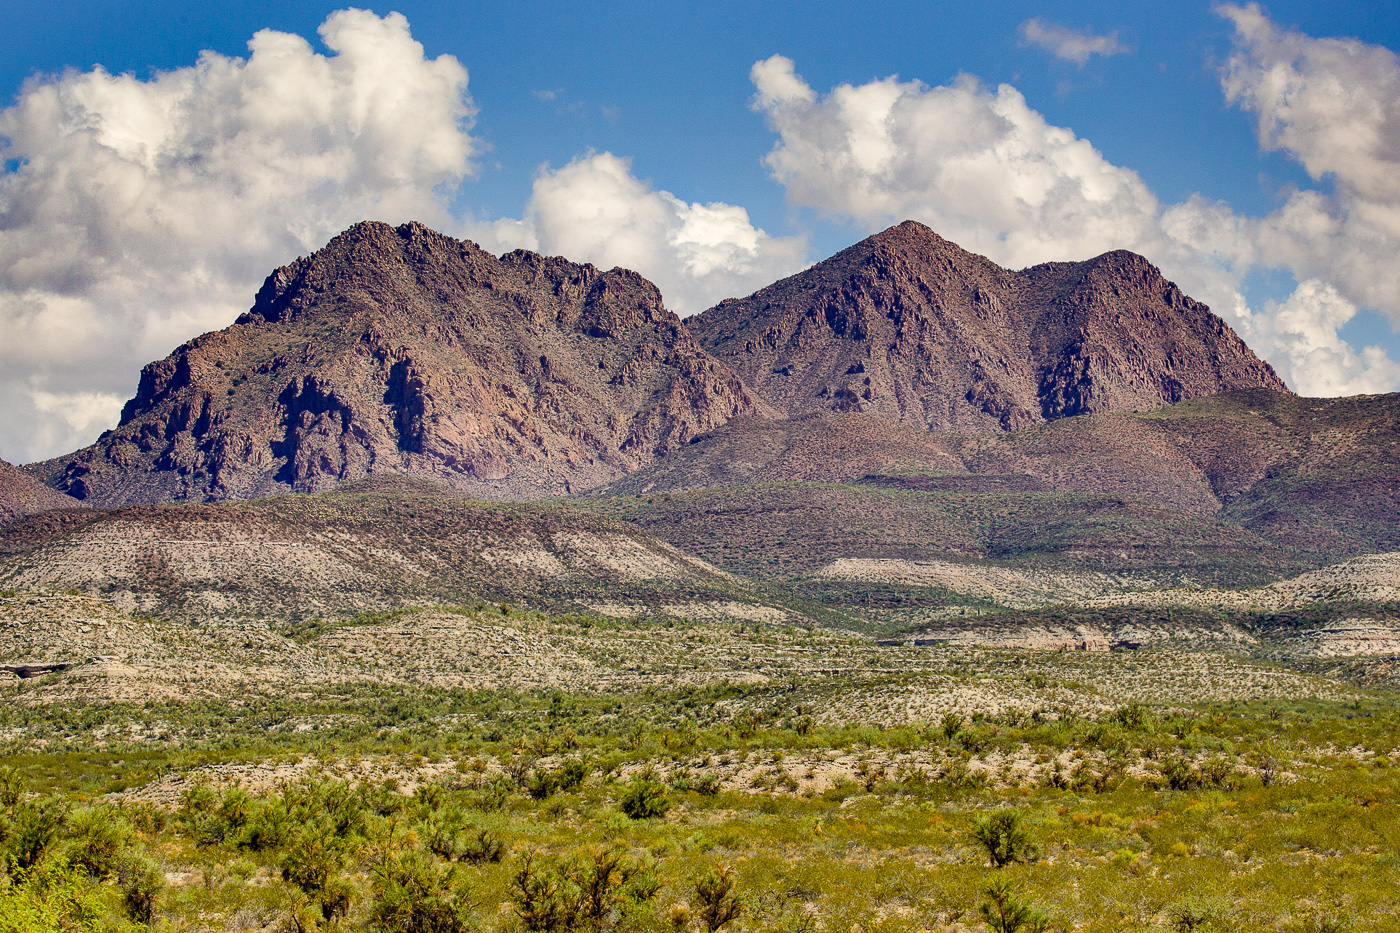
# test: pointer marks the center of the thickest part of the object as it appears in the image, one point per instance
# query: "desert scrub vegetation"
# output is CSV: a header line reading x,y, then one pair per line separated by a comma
x,y
807,781
715,808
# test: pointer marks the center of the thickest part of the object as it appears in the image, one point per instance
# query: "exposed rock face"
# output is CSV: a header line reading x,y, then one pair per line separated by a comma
x,y
21,494
400,350
910,327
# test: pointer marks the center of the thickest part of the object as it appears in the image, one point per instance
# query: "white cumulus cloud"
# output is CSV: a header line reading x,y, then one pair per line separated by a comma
x,y
1302,332
977,165
1334,105
596,210
135,214
1072,45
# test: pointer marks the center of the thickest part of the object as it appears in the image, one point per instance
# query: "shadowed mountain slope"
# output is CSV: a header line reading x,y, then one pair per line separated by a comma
x,y
910,327
21,494
400,350
814,448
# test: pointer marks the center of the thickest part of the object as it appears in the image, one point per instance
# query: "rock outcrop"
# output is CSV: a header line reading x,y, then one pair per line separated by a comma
x,y
403,351
910,327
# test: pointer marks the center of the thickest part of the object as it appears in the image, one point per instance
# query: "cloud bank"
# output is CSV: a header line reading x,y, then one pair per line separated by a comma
x,y
1072,45
136,214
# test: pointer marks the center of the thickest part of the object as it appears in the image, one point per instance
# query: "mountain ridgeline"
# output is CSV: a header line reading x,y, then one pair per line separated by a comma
x,y
403,351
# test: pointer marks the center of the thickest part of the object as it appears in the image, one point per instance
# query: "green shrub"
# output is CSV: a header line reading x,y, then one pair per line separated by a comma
x,y
645,797
485,846
444,833
97,835
1178,774
707,785
414,893
542,784
313,862
573,772
1133,716
544,902
30,833
1006,913
65,899
1005,838
1197,912
718,904
951,725
140,881
600,876
11,788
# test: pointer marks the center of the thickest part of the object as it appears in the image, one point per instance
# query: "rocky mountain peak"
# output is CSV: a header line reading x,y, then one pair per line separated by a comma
x,y
402,350
913,328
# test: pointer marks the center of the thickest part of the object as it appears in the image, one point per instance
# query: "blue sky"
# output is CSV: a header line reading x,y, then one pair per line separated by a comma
x,y
669,87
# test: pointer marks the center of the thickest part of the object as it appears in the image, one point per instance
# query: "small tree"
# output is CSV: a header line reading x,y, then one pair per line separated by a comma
x,y
98,835
1006,913
313,864
1005,838
485,846
33,829
718,903
600,877
544,902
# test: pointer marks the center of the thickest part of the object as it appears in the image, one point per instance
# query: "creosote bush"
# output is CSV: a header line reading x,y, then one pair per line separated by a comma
x,y
717,903
817,819
141,881
414,893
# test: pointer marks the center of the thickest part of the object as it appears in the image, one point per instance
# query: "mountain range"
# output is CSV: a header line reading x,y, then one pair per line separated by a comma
x,y
904,400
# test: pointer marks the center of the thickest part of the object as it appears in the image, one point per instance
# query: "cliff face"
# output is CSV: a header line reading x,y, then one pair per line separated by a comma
x,y
910,327
400,350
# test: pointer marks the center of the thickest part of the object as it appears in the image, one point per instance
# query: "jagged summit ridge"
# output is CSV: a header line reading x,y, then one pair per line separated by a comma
x,y
401,350
911,327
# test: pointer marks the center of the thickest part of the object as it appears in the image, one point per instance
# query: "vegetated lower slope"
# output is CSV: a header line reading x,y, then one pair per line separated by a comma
x,y
21,494
361,547
784,531
400,350
1319,476
913,328
815,448
1296,482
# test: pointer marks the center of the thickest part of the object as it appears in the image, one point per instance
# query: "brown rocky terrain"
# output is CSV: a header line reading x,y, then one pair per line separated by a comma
x,y
21,494
403,351
910,327
400,350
